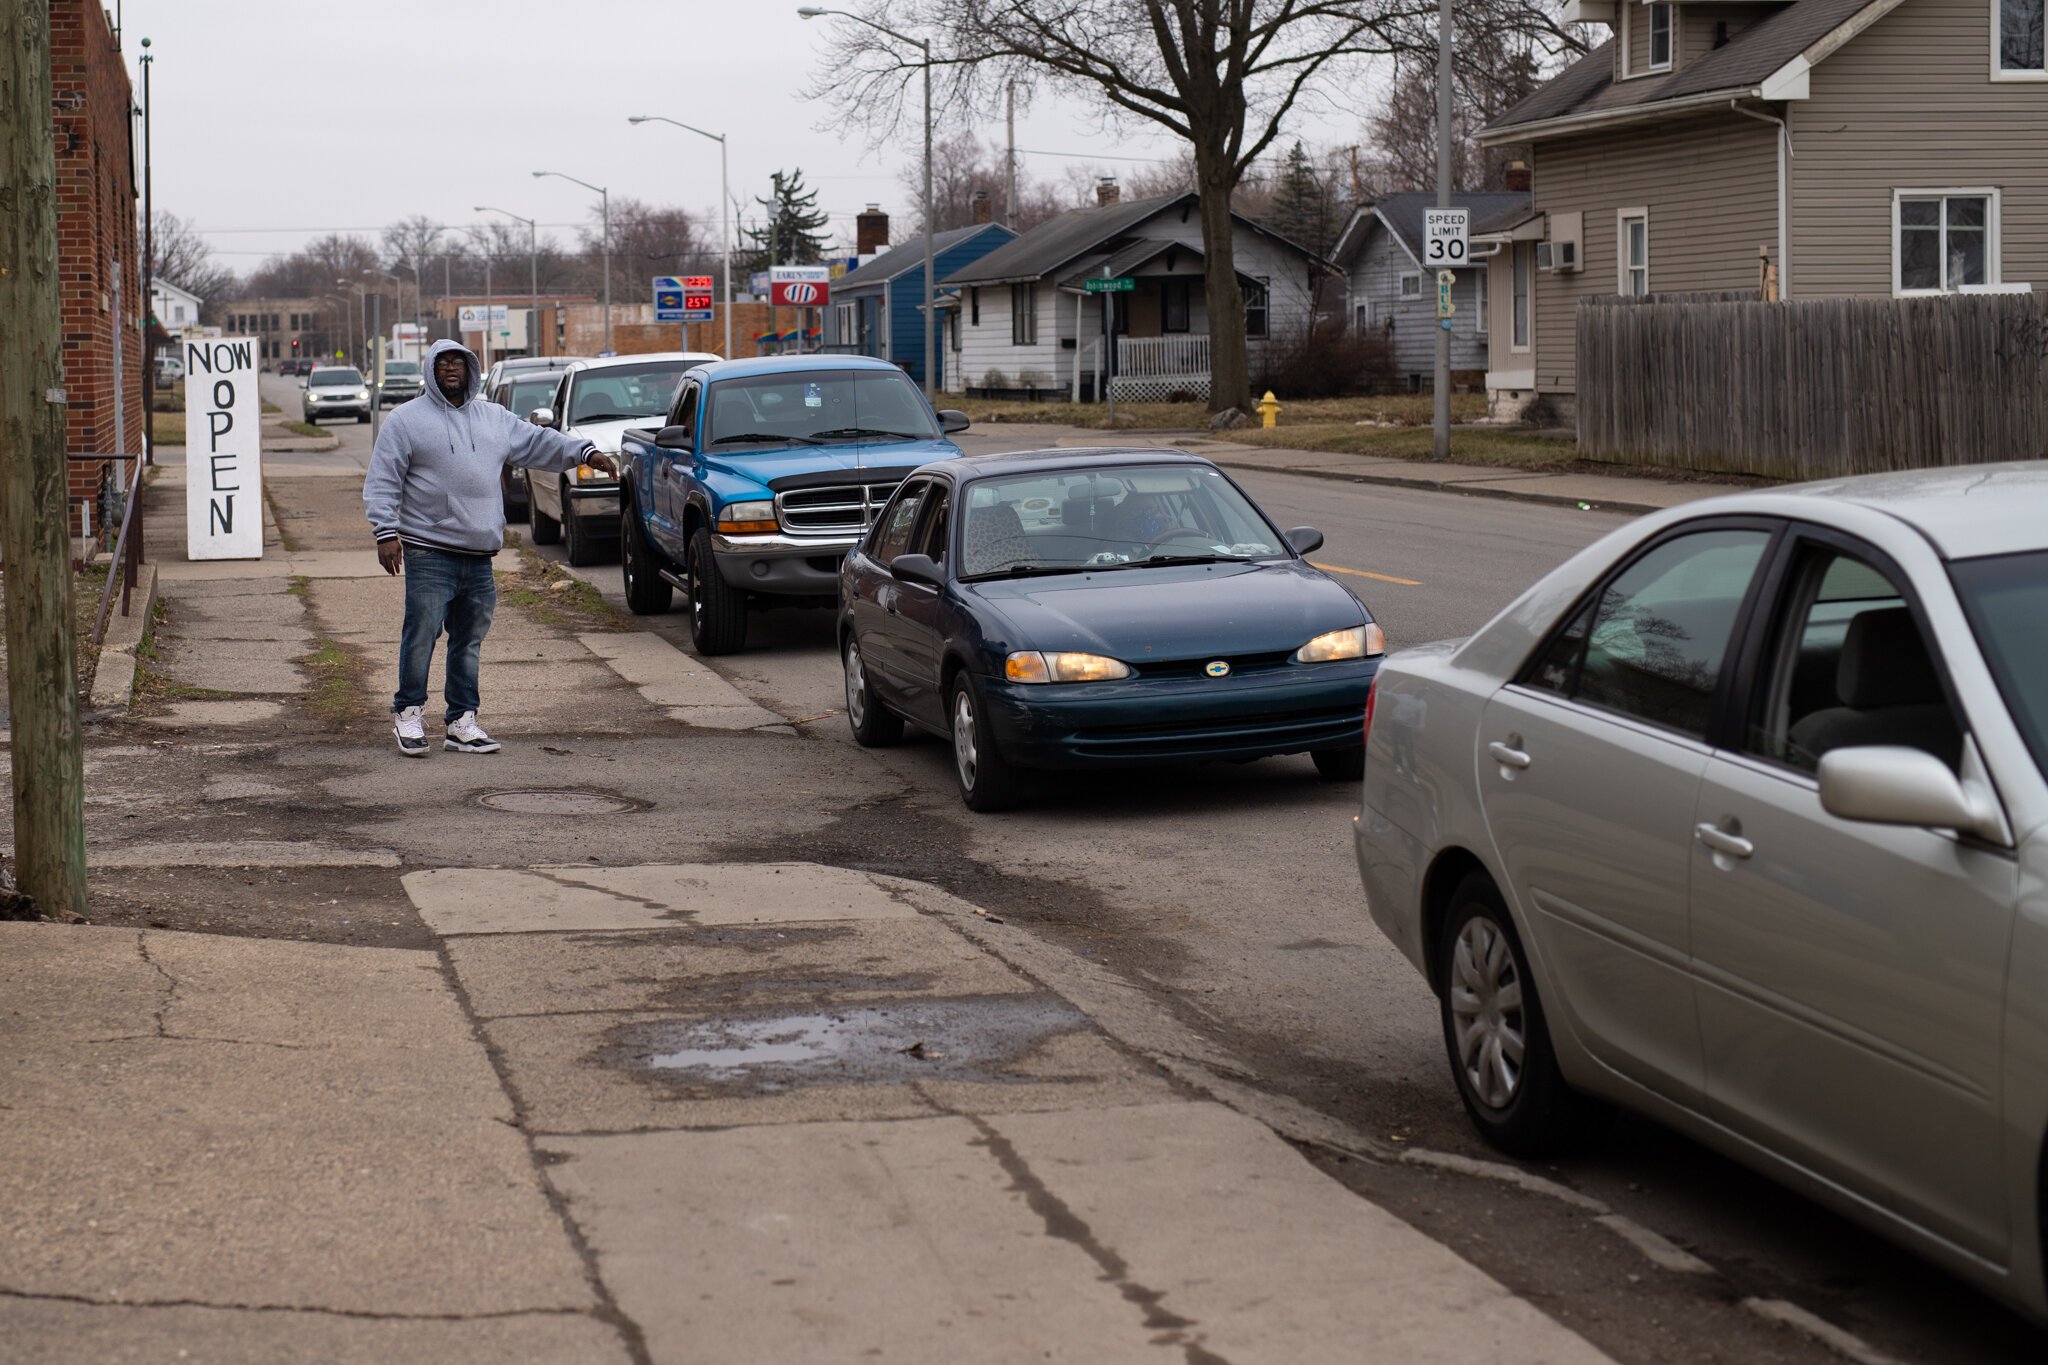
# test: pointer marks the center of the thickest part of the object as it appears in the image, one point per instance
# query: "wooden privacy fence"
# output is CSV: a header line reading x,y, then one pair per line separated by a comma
x,y
1812,388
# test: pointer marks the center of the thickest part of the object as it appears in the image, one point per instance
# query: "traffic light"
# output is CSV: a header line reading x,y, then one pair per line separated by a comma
x,y
295,345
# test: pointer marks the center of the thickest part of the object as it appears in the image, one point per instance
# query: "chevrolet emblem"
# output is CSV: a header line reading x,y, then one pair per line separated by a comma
x,y
1220,668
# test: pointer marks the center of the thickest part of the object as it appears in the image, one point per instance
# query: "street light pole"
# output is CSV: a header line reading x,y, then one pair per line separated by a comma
x,y
931,218
724,209
532,272
605,198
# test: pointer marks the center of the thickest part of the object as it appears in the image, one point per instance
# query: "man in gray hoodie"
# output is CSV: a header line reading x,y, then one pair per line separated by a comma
x,y
434,497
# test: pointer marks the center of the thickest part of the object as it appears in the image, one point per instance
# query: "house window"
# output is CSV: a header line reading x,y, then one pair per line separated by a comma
x,y
1256,306
1361,317
1411,286
844,325
1024,315
974,308
1660,37
1479,302
1633,240
2018,50
1525,277
1944,241
1173,306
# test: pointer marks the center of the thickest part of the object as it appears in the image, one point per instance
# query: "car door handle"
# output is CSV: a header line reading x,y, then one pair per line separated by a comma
x,y
1508,756
1722,842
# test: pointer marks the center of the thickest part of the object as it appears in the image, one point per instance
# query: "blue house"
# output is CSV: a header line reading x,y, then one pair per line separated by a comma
x,y
878,310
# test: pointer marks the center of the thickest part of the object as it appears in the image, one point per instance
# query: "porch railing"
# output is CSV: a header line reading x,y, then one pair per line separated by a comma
x,y
1160,368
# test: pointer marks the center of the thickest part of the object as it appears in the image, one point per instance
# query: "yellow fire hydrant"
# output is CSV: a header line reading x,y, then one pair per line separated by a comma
x,y
1269,410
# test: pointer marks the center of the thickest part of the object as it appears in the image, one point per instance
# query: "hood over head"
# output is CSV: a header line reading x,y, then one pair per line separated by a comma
x,y
469,361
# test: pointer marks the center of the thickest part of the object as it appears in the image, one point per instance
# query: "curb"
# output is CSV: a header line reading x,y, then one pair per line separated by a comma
x,y
113,680
1433,486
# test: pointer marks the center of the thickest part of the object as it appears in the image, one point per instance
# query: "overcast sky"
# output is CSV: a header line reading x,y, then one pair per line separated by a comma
x,y
279,120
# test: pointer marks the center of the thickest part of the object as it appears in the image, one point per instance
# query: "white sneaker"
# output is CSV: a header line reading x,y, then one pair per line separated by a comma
x,y
411,731
465,736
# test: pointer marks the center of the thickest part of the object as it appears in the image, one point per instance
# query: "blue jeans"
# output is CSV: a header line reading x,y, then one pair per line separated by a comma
x,y
452,593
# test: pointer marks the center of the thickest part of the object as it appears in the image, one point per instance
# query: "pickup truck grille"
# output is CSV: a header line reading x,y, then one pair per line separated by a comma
x,y
833,509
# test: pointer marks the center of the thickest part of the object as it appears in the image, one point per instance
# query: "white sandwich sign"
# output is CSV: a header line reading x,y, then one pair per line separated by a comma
x,y
223,450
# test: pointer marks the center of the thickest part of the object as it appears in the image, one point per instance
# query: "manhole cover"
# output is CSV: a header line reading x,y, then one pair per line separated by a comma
x,y
544,802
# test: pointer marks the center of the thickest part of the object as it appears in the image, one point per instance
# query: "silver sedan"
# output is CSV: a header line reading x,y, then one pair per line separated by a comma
x,y
1738,819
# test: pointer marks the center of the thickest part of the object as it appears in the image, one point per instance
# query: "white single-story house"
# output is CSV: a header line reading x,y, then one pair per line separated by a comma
x,y
1028,324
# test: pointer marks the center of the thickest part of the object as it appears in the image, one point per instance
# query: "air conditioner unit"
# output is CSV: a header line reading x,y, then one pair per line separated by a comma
x,y
1560,256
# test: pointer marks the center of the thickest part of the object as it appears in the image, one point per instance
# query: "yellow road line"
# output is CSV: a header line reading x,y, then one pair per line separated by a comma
x,y
1361,573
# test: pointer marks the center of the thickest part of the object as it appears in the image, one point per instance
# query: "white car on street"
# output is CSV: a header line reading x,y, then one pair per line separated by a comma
x,y
1739,819
597,400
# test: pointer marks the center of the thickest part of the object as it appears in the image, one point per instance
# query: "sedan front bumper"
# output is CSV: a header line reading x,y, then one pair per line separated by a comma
x,y
1285,710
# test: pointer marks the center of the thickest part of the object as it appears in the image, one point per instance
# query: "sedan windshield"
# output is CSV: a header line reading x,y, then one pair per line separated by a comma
x,y
809,407
1114,517
338,376
2006,597
620,392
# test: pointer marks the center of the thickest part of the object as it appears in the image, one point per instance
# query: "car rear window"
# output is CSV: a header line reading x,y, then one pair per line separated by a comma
x,y
2006,598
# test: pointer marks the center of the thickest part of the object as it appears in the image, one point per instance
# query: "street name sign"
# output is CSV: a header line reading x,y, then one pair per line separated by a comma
x,y
223,450
1444,237
1116,284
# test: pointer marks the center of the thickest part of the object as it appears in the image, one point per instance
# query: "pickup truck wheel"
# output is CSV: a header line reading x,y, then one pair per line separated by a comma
x,y
546,530
718,611
583,546
647,593
874,725
988,781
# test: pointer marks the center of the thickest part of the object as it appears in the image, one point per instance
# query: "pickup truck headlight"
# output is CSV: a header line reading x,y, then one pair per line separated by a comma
x,y
1031,666
748,518
1356,642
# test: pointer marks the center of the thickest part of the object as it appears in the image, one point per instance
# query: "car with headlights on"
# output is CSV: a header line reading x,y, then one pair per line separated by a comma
x,y
767,472
597,400
1075,609
1739,819
335,391
403,382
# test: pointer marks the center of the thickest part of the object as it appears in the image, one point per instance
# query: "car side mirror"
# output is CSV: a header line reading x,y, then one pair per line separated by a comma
x,y
918,569
674,438
952,420
1305,539
542,417
1886,784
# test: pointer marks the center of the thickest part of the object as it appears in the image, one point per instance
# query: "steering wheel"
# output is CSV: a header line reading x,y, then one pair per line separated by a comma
x,y
1177,533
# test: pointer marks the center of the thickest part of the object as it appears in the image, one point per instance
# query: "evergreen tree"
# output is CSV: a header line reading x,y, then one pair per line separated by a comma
x,y
791,234
1302,209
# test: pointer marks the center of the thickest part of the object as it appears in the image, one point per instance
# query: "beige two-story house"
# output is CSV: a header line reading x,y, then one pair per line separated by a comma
x,y
1863,148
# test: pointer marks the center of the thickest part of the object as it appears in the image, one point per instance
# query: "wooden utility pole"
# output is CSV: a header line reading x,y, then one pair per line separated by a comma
x,y
35,535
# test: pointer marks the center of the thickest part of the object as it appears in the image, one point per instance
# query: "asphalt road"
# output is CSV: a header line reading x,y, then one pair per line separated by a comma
x,y
1229,891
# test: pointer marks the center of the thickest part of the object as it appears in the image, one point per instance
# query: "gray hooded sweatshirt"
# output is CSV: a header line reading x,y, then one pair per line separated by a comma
x,y
434,476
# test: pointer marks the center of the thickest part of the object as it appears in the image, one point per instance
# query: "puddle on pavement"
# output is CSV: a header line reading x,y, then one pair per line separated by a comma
x,y
558,802
957,1038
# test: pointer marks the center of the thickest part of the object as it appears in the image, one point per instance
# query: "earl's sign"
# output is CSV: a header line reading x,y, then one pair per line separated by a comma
x,y
223,450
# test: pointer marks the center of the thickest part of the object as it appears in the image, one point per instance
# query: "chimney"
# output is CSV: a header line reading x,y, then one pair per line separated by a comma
x,y
984,207
870,231
1518,179
1106,191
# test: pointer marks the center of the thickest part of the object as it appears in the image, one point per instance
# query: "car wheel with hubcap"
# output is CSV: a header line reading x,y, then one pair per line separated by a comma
x,y
874,725
647,592
1499,1046
1340,765
718,611
988,781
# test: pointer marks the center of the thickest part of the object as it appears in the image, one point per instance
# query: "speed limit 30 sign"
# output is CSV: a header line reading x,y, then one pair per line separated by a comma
x,y
1444,237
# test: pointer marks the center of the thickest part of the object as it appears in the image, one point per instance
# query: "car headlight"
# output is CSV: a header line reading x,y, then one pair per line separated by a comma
x,y
1355,642
363,394
748,518
1031,666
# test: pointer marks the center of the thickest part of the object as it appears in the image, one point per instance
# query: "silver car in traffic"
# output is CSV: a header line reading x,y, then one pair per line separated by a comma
x,y
1738,819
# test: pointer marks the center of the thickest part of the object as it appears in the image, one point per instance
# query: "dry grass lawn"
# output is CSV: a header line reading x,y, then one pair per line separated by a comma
x,y
1402,409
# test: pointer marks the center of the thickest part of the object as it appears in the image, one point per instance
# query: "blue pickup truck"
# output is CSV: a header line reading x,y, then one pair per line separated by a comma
x,y
765,473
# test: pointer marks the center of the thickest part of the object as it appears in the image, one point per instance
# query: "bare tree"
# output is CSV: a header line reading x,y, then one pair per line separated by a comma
x,y
183,258
963,164
1223,75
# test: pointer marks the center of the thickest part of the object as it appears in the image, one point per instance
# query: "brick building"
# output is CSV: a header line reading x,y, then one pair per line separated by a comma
x,y
99,267
307,328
